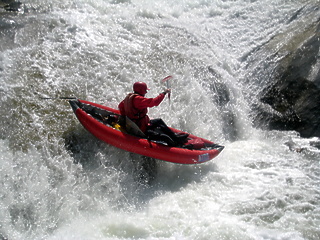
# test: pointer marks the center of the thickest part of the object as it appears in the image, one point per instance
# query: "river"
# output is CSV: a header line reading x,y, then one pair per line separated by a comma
x,y
59,182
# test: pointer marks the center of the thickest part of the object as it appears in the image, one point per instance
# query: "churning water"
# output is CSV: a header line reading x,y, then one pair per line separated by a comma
x,y
59,182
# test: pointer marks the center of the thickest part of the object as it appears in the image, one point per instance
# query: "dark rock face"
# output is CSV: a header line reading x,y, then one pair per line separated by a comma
x,y
294,95
10,5
297,103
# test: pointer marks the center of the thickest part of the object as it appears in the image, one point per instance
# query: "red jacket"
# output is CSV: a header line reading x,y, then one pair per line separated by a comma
x,y
135,107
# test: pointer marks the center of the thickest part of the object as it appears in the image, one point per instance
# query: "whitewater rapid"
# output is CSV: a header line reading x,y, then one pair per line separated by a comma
x,y
59,182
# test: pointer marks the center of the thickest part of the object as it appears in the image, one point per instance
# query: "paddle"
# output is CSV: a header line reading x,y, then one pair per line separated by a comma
x,y
166,79
65,98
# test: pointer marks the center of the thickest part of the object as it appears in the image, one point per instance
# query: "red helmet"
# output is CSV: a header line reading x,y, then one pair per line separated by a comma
x,y
140,88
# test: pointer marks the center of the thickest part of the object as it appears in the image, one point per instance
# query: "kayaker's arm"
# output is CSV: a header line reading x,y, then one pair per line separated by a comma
x,y
142,102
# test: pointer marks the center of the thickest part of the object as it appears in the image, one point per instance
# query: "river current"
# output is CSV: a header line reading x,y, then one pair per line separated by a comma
x,y
59,182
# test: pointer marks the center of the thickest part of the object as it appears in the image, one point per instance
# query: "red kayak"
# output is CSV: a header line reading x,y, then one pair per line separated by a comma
x,y
94,117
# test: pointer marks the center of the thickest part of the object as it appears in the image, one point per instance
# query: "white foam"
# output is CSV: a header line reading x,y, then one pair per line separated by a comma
x,y
257,188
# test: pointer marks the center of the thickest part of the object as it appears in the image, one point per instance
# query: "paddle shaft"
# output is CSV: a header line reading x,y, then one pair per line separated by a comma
x,y
64,98
169,94
166,79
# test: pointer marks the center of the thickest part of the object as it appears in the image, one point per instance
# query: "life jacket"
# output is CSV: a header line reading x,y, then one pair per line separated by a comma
x,y
131,111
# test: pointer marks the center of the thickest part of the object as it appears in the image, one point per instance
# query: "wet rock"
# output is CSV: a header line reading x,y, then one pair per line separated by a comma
x,y
294,147
294,95
10,5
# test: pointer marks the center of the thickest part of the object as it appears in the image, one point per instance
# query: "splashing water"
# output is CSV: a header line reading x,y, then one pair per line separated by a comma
x,y
59,182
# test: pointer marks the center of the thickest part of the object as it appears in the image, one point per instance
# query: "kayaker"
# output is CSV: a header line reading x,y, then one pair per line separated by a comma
x,y
135,106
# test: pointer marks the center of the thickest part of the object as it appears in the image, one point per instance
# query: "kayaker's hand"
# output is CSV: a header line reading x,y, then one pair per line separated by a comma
x,y
167,91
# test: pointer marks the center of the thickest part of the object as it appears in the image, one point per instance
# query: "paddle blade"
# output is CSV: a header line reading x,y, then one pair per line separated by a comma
x,y
166,79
